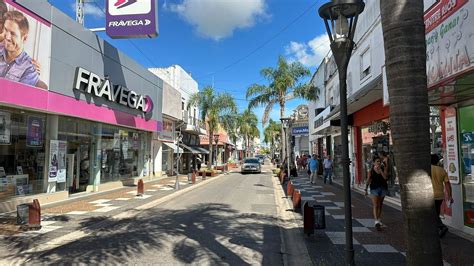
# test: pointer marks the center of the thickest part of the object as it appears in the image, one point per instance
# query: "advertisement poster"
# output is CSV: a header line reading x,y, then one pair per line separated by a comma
x,y
131,18
32,47
167,132
53,161
452,146
34,135
449,38
62,150
125,143
5,124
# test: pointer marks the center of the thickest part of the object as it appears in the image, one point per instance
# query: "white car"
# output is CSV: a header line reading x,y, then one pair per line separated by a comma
x,y
251,165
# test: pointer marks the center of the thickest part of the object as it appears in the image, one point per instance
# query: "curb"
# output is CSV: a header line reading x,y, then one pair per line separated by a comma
x,y
293,247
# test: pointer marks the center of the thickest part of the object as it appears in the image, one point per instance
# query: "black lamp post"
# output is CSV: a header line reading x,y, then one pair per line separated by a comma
x,y
285,122
342,16
216,140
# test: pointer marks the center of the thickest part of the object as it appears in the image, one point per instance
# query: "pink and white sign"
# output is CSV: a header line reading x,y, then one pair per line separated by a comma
x,y
449,40
452,158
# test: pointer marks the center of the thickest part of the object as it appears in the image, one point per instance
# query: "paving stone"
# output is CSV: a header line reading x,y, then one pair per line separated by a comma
x,y
380,248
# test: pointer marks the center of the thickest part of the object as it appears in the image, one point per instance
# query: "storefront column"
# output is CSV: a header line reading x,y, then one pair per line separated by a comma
x,y
157,158
96,150
51,134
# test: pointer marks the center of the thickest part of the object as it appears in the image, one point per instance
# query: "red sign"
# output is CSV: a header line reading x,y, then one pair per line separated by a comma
x,y
440,12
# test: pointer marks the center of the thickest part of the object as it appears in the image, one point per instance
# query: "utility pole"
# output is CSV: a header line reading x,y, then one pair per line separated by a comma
x,y
80,11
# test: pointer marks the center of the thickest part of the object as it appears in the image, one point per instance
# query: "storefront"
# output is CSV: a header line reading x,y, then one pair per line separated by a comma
x,y
83,122
450,71
372,138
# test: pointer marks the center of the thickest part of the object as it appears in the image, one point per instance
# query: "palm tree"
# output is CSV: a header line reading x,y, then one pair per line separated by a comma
x,y
405,61
283,86
213,107
248,128
271,135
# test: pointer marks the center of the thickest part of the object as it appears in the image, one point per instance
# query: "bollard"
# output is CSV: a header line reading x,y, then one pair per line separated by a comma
x,y
289,189
140,188
296,199
203,175
193,177
308,219
34,215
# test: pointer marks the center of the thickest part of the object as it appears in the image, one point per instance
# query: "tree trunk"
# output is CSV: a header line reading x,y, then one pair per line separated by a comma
x,y
405,60
209,163
283,135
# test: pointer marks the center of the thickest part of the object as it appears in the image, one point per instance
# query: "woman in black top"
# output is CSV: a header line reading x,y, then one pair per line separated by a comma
x,y
377,179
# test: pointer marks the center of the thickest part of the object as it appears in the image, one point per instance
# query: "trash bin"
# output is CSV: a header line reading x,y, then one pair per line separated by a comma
x,y
22,214
308,218
319,217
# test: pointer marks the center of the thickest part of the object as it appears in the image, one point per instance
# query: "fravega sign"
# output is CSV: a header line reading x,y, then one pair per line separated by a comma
x,y
91,83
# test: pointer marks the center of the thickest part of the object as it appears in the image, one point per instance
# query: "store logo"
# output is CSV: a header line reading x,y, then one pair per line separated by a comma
x,y
91,83
129,7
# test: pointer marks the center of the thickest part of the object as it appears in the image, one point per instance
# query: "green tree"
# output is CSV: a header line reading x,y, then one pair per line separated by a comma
x,y
248,128
284,85
213,107
272,135
405,61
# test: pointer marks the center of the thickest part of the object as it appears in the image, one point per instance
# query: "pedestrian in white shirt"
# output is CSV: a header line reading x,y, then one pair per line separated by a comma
x,y
328,166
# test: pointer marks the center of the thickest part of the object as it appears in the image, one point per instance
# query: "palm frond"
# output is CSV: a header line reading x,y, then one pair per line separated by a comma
x,y
256,89
262,99
267,111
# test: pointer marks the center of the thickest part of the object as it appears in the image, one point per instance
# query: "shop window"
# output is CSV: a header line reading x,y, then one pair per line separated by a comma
x,y
22,153
365,64
466,139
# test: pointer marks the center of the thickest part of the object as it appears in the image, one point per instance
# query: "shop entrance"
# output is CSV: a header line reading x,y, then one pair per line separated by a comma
x,y
78,165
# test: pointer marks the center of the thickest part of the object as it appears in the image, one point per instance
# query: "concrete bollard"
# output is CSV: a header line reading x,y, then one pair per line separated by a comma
x,y
289,189
34,215
140,188
296,199
193,177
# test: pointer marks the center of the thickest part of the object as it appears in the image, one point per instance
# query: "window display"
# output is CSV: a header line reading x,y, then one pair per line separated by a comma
x,y
21,164
466,139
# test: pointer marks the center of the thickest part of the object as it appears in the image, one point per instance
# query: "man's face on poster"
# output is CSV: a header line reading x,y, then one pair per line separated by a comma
x,y
14,39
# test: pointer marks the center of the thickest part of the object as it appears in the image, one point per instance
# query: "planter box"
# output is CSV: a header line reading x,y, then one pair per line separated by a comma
x,y
232,165
211,174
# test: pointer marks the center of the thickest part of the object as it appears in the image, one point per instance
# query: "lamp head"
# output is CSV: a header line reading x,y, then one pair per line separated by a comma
x,y
342,16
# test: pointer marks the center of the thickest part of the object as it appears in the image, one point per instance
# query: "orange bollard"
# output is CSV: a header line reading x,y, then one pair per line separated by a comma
x,y
193,177
296,199
34,215
289,189
308,219
140,188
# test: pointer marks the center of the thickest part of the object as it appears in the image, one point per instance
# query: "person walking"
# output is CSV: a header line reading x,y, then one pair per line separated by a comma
x,y
377,180
328,167
313,167
440,181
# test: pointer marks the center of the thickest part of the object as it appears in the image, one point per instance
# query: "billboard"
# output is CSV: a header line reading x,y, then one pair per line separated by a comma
x,y
131,18
449,40
25,45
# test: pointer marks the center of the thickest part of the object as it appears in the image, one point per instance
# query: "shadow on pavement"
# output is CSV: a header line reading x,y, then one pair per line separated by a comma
x,y
203,233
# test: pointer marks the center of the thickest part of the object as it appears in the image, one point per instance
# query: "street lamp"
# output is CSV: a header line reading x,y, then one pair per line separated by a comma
x,y
342,16
285,122
216,140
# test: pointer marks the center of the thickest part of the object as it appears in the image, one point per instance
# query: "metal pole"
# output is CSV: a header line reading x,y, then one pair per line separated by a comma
x,y
345,167
287,154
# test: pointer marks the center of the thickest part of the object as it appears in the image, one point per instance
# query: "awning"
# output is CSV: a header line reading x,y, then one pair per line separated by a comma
x,y
201,150
173,147
190,149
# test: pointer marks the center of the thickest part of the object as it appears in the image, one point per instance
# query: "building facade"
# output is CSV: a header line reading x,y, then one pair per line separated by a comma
x,y
83,122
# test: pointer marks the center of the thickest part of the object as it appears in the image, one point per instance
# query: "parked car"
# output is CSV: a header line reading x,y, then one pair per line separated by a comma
x,y
251,165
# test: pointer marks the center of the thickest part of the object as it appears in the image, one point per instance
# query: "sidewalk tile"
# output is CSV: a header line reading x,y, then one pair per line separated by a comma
x,y
380,248
100,201
77,212
123,199
106,209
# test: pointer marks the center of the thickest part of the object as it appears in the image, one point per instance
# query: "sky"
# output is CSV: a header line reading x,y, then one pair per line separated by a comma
x,y
224,43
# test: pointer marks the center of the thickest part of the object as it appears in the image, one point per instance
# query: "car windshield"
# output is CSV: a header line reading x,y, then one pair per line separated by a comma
x,y
251,161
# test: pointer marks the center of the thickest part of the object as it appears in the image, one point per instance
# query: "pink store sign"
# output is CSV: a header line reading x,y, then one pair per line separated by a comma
x,y
449,40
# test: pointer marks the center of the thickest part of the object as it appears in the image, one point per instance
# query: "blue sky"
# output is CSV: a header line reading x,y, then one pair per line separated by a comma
x,y
224,42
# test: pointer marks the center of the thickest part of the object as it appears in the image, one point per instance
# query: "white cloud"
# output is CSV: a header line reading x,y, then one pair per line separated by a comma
x,y
91,9
311,53
218,19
